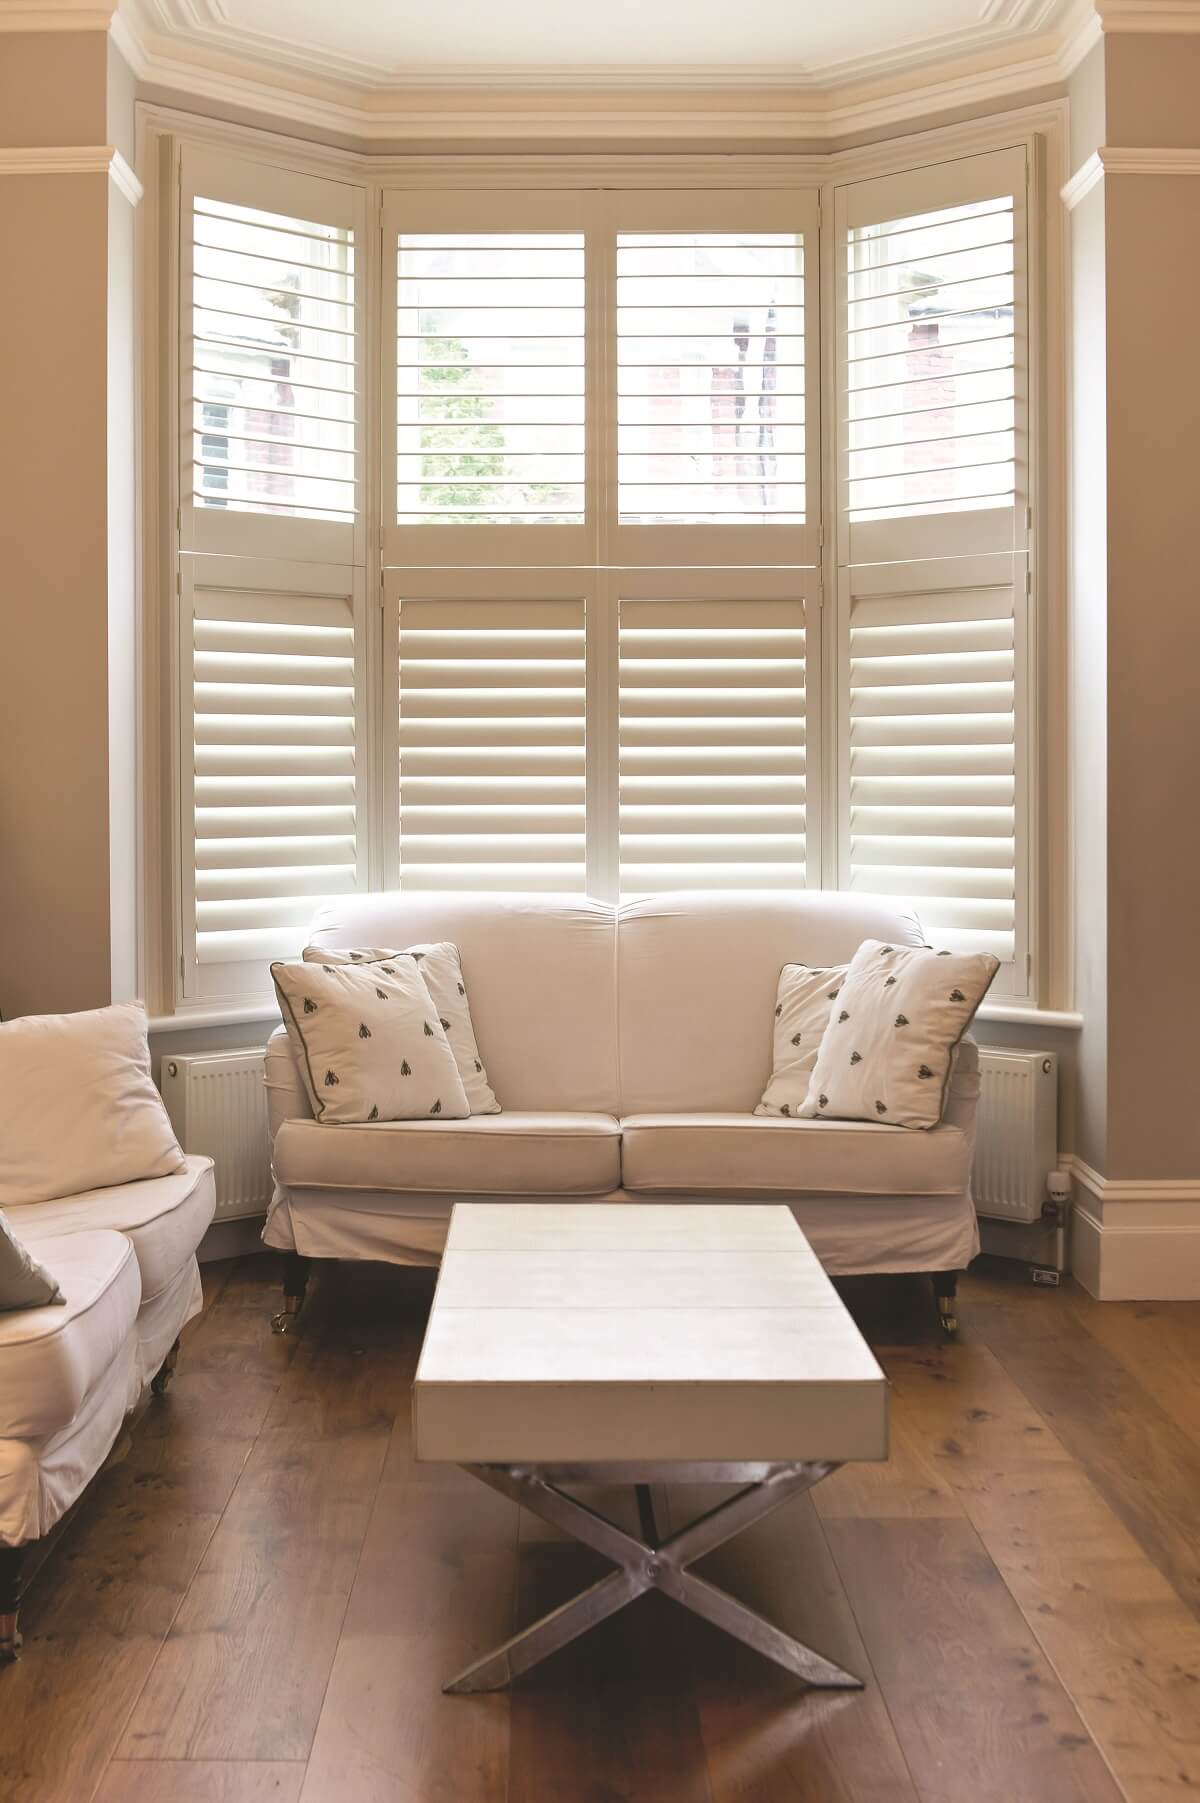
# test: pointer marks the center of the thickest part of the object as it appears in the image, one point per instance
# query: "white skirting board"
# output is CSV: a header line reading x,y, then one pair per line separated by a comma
x,y
1135,1242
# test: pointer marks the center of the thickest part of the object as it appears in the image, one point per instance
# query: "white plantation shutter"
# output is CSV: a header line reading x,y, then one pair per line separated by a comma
x,y
932,777
710,378
712,731
492,355
272,703
934,494
491,706
490,378
271,389
712,411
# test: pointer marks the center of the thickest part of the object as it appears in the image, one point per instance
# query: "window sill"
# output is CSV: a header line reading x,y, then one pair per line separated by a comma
x,y
194,1020
1020,1014
1009,1013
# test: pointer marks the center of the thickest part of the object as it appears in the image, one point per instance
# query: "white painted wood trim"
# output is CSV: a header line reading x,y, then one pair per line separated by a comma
x,y
1126,160
192,1020
56,15
74,159
1086,177
1135,1263
1121,159
1018,1015
1127,1189
1175,17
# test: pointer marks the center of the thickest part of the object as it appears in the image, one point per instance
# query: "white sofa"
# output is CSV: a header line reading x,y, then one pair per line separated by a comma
x,y
628,1047
125,1260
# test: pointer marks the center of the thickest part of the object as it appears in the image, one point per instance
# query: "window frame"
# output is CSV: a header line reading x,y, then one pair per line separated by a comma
x,y
167,137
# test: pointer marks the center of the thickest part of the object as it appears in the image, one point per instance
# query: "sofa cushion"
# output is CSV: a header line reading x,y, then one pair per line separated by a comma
x,y
805,997
540,972
52,1358
697,976
441,973
369,1042
755,1155
513,1154
164,1219
888,1050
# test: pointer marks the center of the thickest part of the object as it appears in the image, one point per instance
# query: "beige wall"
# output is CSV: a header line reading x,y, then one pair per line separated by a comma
x,y
1153,235
1152,90
52,87
54,900
66,477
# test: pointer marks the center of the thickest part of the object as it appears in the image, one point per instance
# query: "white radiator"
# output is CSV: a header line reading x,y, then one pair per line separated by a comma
x,y
218,1105
1016,1145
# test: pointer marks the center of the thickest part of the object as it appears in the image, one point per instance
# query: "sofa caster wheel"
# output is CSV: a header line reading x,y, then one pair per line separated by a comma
x,y
945,1289
10,1641
295,1283
288,1318
160,1383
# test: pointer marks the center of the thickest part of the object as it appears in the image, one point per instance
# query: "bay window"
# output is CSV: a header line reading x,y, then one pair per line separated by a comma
x,y
601,539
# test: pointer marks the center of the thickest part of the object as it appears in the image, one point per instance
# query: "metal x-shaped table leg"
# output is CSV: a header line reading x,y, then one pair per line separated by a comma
x,y
644,1565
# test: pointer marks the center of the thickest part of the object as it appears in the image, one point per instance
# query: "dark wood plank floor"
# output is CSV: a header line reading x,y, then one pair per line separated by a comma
x,y
258,1601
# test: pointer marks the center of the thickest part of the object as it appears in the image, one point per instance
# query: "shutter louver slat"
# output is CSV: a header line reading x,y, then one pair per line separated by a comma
x,y
492,744
710,378
932,812
711,744
931,302
490,379
275,794
273,364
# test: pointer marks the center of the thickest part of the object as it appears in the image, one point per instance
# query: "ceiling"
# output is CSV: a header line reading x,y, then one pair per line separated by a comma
x,y
397,41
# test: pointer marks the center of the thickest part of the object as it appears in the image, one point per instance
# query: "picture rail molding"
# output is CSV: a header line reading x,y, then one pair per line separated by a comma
x,y
74,159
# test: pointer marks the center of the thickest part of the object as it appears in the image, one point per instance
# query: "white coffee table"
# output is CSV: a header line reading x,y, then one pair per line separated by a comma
x,y
604,1343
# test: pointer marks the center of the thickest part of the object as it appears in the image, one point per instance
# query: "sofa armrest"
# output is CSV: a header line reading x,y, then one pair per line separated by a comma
x,y
964,1088
287,1098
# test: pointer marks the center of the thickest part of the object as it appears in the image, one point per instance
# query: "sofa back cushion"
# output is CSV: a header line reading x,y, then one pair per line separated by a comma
x,y
540,972
697,980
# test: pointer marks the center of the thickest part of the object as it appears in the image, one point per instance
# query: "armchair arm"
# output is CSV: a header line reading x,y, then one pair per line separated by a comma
x,y
287,1098
964,1088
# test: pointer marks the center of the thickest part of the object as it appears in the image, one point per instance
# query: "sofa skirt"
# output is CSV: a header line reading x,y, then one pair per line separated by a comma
x,y
851,1235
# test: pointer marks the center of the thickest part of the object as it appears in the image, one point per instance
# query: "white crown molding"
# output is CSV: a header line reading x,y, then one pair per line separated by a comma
x,y
190,26
54,15
190,47
1119,159
1155,17
74,159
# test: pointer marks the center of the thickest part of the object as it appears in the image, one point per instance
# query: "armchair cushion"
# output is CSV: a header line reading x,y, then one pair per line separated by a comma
x,y
78,1106
51,1358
